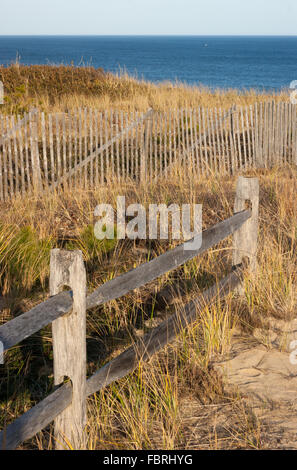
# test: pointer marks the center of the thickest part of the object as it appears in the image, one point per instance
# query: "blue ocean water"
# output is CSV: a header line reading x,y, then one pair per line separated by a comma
x,y
242,62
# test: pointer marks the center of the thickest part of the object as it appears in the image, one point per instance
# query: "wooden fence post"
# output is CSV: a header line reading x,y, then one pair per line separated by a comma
x,y
233,153
245,239
36,172
69,346
145,149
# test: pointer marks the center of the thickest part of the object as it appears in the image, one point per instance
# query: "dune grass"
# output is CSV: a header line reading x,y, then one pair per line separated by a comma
x,y
63,88
176,400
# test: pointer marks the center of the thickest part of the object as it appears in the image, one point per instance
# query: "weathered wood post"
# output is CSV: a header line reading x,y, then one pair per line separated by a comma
x,y
145,148
1,92
294,134
69,346
36,172
234,154
258,135
245,239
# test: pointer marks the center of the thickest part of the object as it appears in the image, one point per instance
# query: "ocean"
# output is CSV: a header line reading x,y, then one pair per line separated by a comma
x,y
243,62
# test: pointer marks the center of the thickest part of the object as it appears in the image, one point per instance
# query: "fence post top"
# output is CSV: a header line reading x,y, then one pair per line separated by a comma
x,y
245,239
67,254
149,113
65,265
248,178
247,189
248,181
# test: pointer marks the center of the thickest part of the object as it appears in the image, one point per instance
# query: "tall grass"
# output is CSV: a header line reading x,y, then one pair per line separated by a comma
x,y
63,88
175,400
24,257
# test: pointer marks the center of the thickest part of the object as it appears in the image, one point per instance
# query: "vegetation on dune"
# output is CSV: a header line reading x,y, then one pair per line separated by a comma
x,y
25,256
48,86
56,81
165,402
61,88
176,400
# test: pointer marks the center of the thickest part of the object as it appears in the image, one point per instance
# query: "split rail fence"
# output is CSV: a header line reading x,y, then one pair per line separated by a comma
x,y
66,310
88,148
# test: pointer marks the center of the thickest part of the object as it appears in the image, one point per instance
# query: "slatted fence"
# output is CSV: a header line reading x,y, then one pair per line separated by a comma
x,y
89,148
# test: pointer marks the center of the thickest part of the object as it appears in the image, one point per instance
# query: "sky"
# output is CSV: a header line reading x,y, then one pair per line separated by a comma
x,y
148,17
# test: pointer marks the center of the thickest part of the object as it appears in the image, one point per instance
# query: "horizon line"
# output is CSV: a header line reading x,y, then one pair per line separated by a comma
x,y
149,35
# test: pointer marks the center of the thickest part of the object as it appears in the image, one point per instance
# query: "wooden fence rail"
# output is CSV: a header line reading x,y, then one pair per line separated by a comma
x,y
23,326
67,404
86,147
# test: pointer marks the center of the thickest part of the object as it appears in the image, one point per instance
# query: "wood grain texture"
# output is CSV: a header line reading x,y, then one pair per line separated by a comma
x,y
69,346
26,142
245,239
145,150
25,325
36,172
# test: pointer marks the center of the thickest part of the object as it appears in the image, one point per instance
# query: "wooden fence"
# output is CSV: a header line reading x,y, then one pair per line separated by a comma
x,y
66,310
87,147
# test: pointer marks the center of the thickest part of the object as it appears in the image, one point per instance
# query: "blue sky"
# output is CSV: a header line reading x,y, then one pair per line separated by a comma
x,y
194,17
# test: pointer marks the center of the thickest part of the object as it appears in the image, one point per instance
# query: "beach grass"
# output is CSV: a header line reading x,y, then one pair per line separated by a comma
x,y
176,400
63,88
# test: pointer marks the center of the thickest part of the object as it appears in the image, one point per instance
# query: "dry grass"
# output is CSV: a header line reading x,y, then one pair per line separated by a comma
x,y
63,88
175,401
